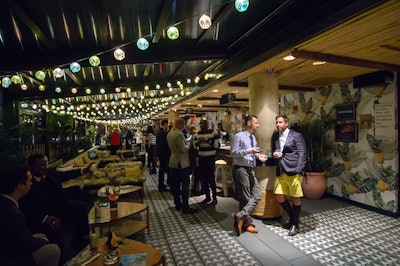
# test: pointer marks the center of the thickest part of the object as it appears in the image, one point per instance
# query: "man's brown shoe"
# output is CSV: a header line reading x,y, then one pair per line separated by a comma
x,y
252,229
237,225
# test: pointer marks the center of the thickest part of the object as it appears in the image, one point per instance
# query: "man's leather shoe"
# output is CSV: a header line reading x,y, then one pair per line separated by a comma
x,y
178,207
163,189
189,210
294,230
214,201
237,225
206,201
252,229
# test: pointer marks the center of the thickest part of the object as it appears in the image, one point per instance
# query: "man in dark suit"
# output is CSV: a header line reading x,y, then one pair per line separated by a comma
x,y
49,209
18,245
289,149
162,153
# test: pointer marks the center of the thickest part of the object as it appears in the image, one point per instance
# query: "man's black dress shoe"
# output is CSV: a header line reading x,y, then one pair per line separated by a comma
x,y
163,189
178,207
189,210
294,230
214,202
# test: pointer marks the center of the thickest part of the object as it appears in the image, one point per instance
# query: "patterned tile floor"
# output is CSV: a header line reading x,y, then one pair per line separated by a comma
x,y
347,236
332,233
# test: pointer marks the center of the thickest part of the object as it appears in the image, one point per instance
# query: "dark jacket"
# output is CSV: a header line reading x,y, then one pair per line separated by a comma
x,y
162,148
294,158
47,197
17,242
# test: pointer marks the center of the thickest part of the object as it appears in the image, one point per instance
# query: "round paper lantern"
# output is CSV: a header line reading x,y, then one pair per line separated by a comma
x,y
75,67
119,54
40,75
94,61
24,87
74,90
58,89
42,87
128,90
173,33
16,79
102,91
6,82
241,5
142,44
205,22
88,91
58,72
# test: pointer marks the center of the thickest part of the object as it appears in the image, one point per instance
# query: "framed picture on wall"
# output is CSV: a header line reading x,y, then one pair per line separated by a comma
x,y
346,132
346,111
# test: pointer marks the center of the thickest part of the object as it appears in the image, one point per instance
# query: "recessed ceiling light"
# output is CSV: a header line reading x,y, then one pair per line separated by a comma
x,y
316,63
289,58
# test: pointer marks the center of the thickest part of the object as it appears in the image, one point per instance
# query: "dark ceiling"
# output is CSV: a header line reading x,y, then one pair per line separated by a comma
x,y
45,34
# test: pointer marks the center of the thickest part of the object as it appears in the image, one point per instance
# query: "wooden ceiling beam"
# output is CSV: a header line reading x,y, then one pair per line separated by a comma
x,y
308,55
23,16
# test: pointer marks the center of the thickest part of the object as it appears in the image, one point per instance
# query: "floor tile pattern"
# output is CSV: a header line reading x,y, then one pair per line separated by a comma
x,y
347,236
196,239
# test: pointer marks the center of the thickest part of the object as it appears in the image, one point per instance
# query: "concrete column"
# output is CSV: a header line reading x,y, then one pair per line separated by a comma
x,y
172,116
264,103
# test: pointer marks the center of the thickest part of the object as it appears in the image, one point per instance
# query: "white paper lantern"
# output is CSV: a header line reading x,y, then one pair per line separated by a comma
x,y
119,54
58,72
205,22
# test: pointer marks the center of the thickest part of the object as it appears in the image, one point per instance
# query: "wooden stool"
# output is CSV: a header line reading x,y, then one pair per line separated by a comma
x,y
225,178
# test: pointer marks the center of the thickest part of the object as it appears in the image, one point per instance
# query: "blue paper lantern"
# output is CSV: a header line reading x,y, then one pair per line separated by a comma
x,y
241,5
142,44
75,67
94,61
6,82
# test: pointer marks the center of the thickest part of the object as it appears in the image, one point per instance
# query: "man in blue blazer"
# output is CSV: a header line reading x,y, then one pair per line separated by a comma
x,y
289,149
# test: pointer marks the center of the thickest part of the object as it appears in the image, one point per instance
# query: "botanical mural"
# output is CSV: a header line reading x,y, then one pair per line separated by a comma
x,y
364,169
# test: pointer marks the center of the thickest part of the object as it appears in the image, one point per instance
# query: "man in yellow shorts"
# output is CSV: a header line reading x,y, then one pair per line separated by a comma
x,y
290,152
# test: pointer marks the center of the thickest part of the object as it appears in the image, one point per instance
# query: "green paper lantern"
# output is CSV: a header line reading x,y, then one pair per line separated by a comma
x,y
94,61
42,87
15,79
173,33
40,75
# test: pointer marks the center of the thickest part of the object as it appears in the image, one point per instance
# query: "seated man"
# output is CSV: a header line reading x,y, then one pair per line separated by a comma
x,y
18,245
48,209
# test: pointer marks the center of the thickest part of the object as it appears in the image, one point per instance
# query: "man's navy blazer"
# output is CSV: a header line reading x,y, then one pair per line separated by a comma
x,y
294,158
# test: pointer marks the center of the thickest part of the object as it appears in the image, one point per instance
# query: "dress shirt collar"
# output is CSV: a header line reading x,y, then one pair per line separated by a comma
x,y
285,133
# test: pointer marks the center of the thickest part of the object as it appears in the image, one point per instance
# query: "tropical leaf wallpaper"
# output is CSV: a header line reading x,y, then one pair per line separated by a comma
x,y
366,170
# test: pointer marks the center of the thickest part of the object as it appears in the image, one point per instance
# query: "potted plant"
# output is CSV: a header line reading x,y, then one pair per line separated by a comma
x,y
315,129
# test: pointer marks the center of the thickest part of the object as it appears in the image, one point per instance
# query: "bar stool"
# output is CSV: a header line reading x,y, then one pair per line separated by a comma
x,y
223,176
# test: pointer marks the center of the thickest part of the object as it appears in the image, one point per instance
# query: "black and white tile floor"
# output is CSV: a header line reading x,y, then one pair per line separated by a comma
x,y
332,233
